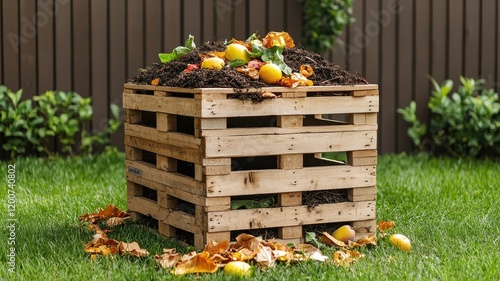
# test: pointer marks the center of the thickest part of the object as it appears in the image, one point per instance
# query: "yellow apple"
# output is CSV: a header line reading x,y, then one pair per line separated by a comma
x,y
239,268
213,63
400,241
237,51
344,233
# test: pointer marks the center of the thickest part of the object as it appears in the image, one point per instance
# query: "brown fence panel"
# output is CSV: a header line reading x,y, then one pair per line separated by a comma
x,y
93,46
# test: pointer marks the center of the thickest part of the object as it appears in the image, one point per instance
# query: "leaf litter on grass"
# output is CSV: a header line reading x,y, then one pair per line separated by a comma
x,y
217,254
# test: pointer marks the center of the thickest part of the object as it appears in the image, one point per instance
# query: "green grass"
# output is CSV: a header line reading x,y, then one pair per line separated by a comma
x,y
448,208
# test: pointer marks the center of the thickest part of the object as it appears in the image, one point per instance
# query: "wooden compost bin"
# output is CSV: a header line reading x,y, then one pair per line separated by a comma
x,y
189,152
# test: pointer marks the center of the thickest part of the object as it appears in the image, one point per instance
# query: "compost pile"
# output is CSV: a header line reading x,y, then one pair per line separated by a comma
x,y
173,73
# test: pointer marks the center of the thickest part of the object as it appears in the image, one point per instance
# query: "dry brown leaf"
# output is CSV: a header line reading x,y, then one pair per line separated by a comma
x,y
288,82
168,259
368,240
102,246
346,257
329,240
213,247
248,45
308,251
244,254
383,226
250,72
246,241
115,221
132,249
265,257
197,264
109,212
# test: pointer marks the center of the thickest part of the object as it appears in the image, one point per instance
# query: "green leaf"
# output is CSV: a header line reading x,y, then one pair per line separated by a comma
x,y
178,52
236,62
252,204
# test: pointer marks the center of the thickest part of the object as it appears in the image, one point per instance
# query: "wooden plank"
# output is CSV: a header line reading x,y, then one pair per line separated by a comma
x,y
240,18
223,22
346,88
290,106
371,51
388,79
137,169
168,138
422,54
132,153
472,58
290,216
135,30
439,46
455,39
284,131
28,52
81,47
294,18
12,41
293,180
99,71
172,105
257,17
181,220
117,62
46,51
153,24
208,17
63,59
192,23
210,204
357,40
404,74
177,152
235,146
276,15
146,207
488,36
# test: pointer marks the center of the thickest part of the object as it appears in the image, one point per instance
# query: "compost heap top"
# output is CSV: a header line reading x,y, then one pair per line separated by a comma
x,y
184,67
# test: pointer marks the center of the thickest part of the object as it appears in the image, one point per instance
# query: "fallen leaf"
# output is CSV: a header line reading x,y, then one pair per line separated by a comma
x,y
383,226
308,251
265,257
213,248
368,240
109,212
102,246
329,240
132,249
200,263
246,241
251,72
115,221
346,257
168,259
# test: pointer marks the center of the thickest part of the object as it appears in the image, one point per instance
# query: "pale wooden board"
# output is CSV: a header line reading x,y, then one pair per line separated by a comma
x,y
290,216
172,179
177,152
172,105
293,180
290,106
367,87
182,221
146,207
169,138
258,145
284,131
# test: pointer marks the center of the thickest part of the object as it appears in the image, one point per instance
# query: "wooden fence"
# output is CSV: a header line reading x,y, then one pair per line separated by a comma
x,y
93,46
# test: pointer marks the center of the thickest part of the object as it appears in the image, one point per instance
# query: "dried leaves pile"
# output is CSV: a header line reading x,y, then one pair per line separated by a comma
x,y
247,248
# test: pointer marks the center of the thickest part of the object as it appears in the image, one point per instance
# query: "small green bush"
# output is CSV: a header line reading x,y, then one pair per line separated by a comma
x,y
463,123
57,115
324,21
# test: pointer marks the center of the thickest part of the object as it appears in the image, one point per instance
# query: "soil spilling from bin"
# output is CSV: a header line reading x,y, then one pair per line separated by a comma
x,y
171,74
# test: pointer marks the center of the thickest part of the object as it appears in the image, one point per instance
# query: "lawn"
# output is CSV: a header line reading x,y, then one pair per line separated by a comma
x,y
449,209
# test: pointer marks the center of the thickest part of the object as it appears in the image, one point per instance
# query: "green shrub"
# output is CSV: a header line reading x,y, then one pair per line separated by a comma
x,y
463,123
324,21
57,115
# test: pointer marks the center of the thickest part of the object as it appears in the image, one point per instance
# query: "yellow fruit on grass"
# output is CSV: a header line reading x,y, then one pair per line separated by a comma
x,y
236,51
238,268
270,73
400,241
344,233
213,63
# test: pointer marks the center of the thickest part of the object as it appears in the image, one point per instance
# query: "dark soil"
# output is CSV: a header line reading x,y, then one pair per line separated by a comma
x,y
171,74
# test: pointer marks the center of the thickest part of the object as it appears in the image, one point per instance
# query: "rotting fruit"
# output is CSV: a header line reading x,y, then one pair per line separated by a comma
x,y
239,268
213,63
400,241
237,51
270,73
344,233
